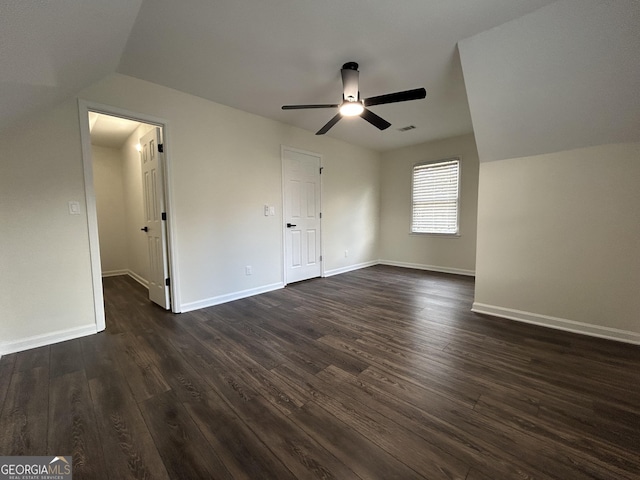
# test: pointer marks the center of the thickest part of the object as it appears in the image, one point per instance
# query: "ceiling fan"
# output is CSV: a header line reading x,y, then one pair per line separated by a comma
x,y
352,105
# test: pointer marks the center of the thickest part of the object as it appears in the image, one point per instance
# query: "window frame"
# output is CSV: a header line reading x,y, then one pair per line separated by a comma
x,y
456,158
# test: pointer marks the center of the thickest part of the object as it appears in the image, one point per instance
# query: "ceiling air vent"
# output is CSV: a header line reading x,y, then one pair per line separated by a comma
x,y
407,128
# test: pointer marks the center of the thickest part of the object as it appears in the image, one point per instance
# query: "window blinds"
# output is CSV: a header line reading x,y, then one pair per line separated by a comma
x,y
435,197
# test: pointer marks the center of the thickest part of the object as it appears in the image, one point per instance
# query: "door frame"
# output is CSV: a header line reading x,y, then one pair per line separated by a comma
x,y
84,107
283,148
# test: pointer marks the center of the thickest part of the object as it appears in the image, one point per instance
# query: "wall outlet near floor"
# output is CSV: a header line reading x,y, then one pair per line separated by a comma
x,y
248,270
346,253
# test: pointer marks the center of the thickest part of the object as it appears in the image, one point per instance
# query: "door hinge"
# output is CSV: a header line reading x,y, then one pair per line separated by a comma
x,y
320,214
167,282
321,168
164,215
320,257
161,147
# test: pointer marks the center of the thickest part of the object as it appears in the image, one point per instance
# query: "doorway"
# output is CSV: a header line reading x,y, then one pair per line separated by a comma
x,y
128,212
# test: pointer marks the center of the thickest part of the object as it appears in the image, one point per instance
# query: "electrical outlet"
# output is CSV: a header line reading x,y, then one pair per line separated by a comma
x,y
272,210
248,270
346,253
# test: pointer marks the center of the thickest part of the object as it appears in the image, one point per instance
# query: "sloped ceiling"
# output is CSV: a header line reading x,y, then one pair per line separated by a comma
x,y
255,56
50,50
563,77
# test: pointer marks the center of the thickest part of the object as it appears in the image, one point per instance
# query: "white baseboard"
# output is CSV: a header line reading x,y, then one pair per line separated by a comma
x,y
46,339
558,323
431,268
131,273
230,297
350,268
138,278
114,273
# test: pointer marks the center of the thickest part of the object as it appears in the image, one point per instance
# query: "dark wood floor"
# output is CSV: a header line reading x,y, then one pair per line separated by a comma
x,y
382,373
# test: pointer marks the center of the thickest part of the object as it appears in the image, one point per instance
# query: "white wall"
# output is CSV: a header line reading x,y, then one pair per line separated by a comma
x,y
137,254
555,106
120,208
397,245
225,167
110,205
351,205
45,289
558,238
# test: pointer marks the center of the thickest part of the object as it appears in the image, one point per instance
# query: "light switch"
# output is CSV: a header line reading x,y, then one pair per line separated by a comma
x,y
74,208
266,210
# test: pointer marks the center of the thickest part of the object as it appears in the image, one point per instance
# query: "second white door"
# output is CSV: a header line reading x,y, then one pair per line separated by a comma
x,y
302,215
154,212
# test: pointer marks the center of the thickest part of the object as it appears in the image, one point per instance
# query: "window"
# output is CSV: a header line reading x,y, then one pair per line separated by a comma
x,y
435,198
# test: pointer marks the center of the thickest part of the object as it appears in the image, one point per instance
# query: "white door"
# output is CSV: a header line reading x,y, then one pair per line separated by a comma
x,y
301,174
153,192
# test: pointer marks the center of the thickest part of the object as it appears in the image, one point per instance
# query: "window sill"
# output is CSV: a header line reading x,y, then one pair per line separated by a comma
x,y
439,235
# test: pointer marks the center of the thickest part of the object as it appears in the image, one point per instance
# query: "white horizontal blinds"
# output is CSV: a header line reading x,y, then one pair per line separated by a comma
x,y
435,197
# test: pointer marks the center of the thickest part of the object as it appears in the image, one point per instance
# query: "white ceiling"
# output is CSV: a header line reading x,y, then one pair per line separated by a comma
x,y
108,131
255,56
564,77
51,50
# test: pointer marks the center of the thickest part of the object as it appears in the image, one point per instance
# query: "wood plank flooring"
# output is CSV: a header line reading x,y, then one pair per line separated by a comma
x,y
381,373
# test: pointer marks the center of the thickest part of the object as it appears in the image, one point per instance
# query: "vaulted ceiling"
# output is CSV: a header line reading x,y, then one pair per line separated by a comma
x,y
255,55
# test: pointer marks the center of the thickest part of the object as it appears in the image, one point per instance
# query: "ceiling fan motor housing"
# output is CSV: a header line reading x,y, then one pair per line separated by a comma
x,y
350,80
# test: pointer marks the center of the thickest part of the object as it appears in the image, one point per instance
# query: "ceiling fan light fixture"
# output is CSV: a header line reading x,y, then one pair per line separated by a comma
x,y
351,108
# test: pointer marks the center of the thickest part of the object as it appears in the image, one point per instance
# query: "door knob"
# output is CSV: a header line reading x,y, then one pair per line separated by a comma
x,y
289,225
145,229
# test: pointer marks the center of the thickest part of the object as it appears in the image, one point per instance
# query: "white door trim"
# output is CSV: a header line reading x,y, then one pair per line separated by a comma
x,y
284,228
84,107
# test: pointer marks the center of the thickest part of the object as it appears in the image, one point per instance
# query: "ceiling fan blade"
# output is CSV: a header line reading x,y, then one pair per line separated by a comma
x,y
329,124
300,107
375,120
415,94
